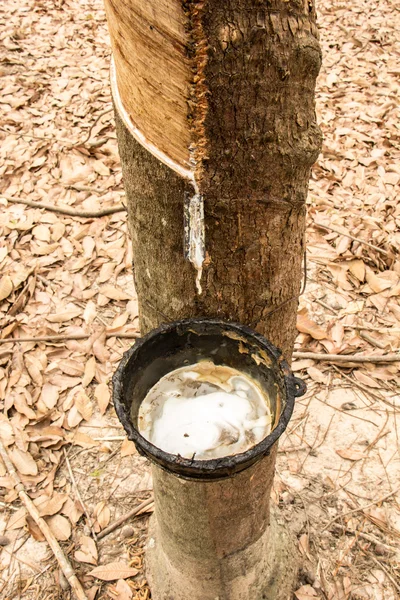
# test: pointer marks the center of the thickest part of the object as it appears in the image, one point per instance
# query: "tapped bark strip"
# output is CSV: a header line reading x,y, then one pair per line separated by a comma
x,y
259,139
149,42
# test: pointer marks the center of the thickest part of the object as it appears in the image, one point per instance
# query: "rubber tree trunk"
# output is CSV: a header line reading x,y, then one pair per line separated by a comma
x,y
217,96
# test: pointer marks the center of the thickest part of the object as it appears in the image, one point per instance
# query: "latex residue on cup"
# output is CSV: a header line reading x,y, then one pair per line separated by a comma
x,y
205,411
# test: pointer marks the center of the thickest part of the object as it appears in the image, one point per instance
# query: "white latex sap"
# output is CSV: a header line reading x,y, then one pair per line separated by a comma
x,y
205,411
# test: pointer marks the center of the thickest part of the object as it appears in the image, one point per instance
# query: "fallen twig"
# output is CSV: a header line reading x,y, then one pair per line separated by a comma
x,y
371,340
361,508
355,239
84,214
92,190
87,138
63,338
372,328
63,561
381,566
78,494
364,536
349,358
124,518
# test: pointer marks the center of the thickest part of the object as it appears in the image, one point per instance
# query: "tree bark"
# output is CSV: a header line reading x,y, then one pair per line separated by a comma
x,y
247,134
259,139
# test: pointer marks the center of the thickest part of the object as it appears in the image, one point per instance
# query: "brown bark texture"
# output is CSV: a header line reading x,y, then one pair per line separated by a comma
x,y
249,84
227,546
257,139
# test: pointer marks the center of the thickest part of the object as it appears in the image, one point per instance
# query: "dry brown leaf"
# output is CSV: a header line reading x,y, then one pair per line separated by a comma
x,y
60,527
337,334
351,454
376,283
102,395
102,514
52,505
377,516
307,325
6,287
304,545
113,292
83,405
127,448
87,552
21,405
366,379
64,316
23,462
123,591
306,592
46,434
71,367
74,417
34,530
106,272
100,168
34,368
73,510
82,439
317,375
357,268
113,571
42,233
57,231
118,322
49,395
64,381
91,593
90,370
343,243
17,519
6,431
99,349
90,312
302,364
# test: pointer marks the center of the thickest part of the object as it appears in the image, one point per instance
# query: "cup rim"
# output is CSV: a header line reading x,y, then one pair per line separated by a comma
x,y
216,467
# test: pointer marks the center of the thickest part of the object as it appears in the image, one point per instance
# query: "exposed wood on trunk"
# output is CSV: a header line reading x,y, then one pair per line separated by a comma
x,y
149,44
261,140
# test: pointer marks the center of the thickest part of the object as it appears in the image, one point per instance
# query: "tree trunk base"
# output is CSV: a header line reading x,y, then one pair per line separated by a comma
x,y
266,570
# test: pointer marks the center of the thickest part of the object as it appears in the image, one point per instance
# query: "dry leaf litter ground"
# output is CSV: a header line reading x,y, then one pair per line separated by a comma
x,y
338,472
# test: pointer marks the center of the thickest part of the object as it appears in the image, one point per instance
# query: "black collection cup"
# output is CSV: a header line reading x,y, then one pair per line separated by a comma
x,y
183,343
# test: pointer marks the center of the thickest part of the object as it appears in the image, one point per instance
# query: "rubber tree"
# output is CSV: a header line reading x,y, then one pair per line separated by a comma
x,y
215,102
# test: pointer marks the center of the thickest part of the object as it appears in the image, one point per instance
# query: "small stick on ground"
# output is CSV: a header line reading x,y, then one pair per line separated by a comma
x,y
92,190
87,138
349,358
381,566
63,210
63,338
365,536
63,561
124,518
355,239
78,495
371,340
361,508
